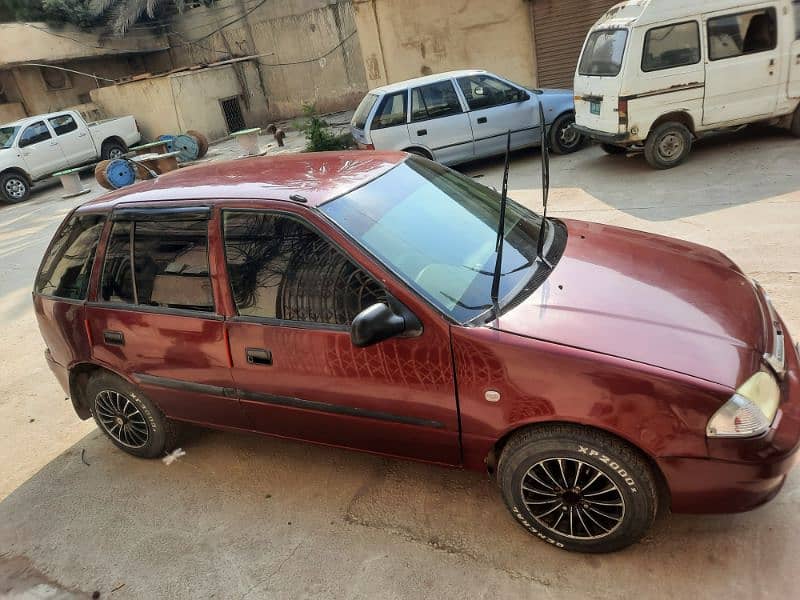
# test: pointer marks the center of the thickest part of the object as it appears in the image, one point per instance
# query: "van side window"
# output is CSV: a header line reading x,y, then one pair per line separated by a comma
x,y
743,33
392,111
672,46
34,134
280,268
63,124
170,265
67,267
482,91
434,101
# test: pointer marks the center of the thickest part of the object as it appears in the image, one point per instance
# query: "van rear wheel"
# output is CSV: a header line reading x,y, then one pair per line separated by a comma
x,y
668,145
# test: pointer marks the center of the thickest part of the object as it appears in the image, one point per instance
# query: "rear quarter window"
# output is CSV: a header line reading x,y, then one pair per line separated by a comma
x,y
675,45
362,112
67,266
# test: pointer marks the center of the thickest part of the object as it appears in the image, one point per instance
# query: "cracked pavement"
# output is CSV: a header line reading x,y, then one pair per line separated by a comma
x,y
242,516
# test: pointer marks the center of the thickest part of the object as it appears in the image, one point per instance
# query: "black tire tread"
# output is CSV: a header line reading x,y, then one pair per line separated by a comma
x,y
4,197
795,126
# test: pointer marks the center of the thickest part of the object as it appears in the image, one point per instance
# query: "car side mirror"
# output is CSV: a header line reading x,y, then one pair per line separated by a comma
x,y
381,322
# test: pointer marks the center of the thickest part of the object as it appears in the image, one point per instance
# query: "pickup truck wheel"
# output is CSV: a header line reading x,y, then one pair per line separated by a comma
x,y
795,126
577,488
668,145
564,138
112,150
612,149
14,187
129,420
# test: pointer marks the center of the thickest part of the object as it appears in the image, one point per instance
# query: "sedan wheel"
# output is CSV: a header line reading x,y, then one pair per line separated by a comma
x,y
121,420
564,138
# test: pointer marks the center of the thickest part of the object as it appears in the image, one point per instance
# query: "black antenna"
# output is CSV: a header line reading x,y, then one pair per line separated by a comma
x,y
545,187
501,230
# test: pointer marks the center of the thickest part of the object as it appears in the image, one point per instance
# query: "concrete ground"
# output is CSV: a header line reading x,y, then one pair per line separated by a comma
x,y
242,516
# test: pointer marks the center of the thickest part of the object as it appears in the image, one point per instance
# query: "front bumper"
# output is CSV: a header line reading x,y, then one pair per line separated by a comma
x,y
617,139
743,474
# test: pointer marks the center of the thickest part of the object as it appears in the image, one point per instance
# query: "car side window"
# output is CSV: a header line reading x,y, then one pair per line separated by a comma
x,y
33,134
63,124
392,111
796,8
170,265
281,268
482,91
434,101
676,45
749,32
67,267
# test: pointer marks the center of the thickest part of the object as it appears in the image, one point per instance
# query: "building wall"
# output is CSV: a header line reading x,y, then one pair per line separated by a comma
x,y
402,40
310,49
11,111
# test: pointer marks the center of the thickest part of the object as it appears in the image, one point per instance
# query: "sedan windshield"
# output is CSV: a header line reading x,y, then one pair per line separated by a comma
x,y
602,56
7,135
437,230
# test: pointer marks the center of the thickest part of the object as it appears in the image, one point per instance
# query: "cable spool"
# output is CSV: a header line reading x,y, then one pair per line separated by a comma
x,y
188,147
202,142
170,139
100,174
120,173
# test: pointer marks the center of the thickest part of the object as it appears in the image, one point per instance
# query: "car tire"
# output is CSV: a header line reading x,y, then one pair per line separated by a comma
x,y
112,150
14,187
668,145
613,150
131,421
795,126
564,138
551,474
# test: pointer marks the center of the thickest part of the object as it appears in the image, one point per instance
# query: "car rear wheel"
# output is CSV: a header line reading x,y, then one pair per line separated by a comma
x,y
131,421
564,138
795,126
577,488
112,151
14,188
668,145
612,149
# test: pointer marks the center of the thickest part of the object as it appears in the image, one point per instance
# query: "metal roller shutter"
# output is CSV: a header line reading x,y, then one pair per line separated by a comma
x,y
560,26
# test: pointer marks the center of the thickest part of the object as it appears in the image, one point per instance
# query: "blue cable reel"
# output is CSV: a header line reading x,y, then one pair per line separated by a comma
x,y
187,146
120,173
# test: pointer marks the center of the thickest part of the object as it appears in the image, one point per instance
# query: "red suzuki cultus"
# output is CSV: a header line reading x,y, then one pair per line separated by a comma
x,y
352,299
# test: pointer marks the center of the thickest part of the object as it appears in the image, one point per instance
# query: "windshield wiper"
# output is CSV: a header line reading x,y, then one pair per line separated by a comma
x,y
501,232
545,189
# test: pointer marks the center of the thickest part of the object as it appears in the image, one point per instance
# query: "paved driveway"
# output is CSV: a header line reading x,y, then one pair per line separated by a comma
x,y
247,517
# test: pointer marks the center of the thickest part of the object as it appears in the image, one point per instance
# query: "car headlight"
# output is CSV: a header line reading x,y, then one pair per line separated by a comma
x,y
750,411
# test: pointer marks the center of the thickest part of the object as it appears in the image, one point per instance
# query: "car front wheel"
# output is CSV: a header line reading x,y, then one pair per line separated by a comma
x,y
577,488
14,187
564,138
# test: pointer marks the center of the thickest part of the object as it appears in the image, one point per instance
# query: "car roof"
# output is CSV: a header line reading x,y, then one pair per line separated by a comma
x,y
418,81
317,177
33,119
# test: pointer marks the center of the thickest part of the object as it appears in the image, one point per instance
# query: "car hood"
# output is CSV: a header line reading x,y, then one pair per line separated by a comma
x,y
650,299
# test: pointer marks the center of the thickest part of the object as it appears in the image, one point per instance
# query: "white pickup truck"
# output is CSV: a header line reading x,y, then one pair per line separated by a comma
x,y
36,147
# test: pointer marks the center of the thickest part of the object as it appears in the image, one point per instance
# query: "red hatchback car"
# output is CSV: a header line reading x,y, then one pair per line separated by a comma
x,y
344,299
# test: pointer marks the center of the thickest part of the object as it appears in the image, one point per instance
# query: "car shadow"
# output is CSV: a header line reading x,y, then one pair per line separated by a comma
x,y
95,514
723,170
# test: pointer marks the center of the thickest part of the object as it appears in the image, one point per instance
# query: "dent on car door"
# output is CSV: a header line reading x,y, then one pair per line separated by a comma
x,y
154,318
439,123
296,369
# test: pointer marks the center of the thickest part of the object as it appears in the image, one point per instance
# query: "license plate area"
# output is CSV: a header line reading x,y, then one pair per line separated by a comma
x,y
594,108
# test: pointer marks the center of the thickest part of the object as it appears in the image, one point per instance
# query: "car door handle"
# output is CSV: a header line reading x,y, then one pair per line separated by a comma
x,y
258,356
113,338
82,134
54,143
422,132
482,120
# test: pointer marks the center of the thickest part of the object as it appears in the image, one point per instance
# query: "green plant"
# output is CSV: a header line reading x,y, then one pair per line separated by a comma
x,y
319,136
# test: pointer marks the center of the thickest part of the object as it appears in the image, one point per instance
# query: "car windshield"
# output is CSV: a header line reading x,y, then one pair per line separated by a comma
x,y
362,112
437,230
603,54
7,135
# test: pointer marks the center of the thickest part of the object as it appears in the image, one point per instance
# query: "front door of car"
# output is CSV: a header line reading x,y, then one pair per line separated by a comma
x,y
496,108
153,318
40,150
295,368
743,72
74,139
439,123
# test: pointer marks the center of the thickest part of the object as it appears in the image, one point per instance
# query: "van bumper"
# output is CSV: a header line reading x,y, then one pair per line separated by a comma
x,y
619,139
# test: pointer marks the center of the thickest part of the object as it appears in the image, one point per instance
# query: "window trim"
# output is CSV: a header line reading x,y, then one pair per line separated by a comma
x,y
429,118
274,321
129,216
699,46
767,9
380,104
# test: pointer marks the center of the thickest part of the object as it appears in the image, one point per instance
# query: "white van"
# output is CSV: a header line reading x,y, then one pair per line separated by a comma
x,y
656,74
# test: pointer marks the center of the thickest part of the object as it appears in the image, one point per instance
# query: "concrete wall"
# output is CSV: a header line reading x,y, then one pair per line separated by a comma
x,y
402,40
181,101
11,111
310,49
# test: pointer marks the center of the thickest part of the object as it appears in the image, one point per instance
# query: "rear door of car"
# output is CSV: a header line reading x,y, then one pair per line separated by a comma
x,y
439,122
298,374
153,317
74,138
497,107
